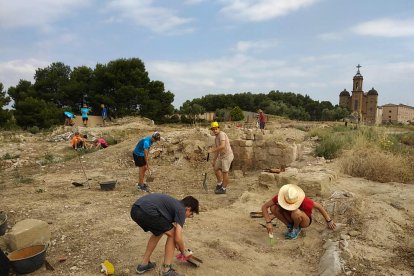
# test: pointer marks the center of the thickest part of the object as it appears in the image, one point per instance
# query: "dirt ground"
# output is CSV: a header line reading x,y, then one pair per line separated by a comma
x,y
89,226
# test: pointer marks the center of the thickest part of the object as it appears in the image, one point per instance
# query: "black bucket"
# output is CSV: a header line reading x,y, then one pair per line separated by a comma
x,y
3,223
108,185
28,259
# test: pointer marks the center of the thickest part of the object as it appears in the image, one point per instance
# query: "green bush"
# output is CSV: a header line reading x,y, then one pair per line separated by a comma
x,y
33,129
236,114
111,140
330,147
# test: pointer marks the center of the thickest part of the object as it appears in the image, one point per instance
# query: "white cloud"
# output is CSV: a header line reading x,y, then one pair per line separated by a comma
x,y
36,13
144,13
244,46
234,74
193,2
12,71
386,28
330,36
261,10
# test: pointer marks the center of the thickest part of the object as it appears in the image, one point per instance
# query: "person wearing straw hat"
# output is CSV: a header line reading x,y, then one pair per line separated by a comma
x,y
294,209
223,156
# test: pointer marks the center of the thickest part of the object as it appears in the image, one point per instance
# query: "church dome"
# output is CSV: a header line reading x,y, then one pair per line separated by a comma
x,y
344,93
373,92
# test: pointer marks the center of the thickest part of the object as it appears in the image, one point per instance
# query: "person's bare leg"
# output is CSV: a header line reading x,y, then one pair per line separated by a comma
x,y
226,180
280,214
299,219
219,176
142,171
169,248
152,243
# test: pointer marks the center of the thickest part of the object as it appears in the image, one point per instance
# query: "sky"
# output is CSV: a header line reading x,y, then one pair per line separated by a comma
x,y
200,47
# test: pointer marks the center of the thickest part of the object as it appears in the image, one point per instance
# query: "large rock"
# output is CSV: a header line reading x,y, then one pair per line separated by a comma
x,y
267,179
28,232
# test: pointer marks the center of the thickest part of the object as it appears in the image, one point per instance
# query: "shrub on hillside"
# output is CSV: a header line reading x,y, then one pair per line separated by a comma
x,y
372,163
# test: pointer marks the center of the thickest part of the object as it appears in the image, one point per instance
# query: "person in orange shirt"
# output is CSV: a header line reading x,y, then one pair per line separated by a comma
x,y
77,141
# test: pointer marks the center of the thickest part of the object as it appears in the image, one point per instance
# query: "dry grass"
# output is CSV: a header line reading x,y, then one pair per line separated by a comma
x,y
371,162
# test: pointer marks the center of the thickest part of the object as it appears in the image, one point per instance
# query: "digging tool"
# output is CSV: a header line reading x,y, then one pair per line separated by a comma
x,y
205,176
150,177
84,173
193,260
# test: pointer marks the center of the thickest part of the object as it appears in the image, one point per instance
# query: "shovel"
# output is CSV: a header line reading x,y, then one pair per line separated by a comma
x,y
80,184
205,176
150,177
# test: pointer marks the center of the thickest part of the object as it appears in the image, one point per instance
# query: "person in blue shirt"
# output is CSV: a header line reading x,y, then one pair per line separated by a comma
x,y
141,155
69,118
85,110
104,114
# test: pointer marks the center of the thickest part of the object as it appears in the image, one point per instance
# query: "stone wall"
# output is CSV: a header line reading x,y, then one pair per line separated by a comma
x,y
254,152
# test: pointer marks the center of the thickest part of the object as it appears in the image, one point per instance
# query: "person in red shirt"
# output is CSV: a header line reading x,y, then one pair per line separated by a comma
x,y
262,120
100,143
294,209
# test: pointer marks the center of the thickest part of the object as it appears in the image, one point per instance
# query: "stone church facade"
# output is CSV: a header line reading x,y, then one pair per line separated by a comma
x,y
363,105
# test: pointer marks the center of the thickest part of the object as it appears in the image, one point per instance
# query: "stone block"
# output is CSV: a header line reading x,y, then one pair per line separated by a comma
x,y
315,184
258,137
245,143
28,232
275,151
238,174
266,179
259,143
249,136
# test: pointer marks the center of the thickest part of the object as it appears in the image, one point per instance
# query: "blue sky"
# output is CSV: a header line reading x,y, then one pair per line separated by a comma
x,y
199,47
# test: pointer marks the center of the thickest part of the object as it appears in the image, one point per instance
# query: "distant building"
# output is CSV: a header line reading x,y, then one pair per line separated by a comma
x,y
362,105
393,113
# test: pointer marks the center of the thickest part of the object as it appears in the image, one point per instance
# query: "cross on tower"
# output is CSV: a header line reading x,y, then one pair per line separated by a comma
x,y
358,66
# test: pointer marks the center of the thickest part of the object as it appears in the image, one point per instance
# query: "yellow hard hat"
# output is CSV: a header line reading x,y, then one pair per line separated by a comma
x,y
214,125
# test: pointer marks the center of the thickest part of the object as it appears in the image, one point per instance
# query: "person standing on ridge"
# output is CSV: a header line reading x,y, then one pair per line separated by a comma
x,y
85,110
104,114
262,120
223,156
141,156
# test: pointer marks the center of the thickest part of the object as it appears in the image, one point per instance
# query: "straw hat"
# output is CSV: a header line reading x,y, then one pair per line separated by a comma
x,y
290,197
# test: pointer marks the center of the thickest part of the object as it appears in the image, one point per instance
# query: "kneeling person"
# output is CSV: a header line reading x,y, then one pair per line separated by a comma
x,y
294,209
162,214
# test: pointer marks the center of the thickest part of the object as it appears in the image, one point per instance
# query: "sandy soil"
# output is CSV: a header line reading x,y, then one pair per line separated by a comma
x,y
89,225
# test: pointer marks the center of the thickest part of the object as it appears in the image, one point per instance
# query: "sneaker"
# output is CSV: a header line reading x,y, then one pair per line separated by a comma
x,y
290,227
218,186
221,191
293,235
144,268
142,187
170,272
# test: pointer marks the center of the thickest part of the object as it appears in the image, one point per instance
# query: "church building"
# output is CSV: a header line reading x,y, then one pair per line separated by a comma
x,y
363,106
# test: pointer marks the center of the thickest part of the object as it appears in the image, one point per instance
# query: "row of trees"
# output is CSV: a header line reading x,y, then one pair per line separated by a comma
x,y
122,85
287,104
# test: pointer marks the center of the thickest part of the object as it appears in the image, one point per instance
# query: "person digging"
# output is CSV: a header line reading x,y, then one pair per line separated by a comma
x,y
162,214
222,158
294,209
141,156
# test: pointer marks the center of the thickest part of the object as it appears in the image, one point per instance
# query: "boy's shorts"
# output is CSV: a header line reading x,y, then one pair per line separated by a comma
x,y
139,160
224,164
157,225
